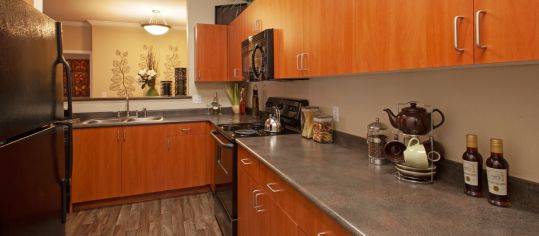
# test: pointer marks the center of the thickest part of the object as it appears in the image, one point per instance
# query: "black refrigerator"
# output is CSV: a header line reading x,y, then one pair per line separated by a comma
x,y
35,135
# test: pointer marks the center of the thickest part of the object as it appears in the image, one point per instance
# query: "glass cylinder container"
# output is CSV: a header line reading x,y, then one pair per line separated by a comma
x,y
323,129
376,141
307,116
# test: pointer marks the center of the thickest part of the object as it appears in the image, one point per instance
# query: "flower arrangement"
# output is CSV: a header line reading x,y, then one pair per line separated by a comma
x,y
146,78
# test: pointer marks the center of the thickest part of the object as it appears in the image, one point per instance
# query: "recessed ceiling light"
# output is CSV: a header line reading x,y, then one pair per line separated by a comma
x,y
156,25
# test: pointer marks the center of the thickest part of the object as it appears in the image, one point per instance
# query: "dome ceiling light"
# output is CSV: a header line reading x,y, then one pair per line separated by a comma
x,y
156,25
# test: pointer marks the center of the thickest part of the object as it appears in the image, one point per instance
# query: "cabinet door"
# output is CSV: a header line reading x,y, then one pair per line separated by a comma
x,y
287,22
143,153
96,164
396,35
245,205
211,52
508,29
277,222
186,163
327,37
234,51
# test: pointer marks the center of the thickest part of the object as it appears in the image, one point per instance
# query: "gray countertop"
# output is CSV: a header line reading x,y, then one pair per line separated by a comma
x,y
368,200
168,119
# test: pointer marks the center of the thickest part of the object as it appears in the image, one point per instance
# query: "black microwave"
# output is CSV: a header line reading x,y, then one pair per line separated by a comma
x,y
257,56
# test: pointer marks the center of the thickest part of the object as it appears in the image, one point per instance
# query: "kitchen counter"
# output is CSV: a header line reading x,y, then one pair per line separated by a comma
x,y
368,200
169,119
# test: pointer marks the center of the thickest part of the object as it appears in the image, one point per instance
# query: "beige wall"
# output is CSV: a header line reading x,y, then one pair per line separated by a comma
x,y
77,38
497,101
107,39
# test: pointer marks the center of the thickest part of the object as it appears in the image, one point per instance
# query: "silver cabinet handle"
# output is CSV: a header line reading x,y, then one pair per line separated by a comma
x,y
322,234
456,22
235,72
478,29
297,61
303,61
269,185
245,161
258,207
124,136
118,135
255,201
168,144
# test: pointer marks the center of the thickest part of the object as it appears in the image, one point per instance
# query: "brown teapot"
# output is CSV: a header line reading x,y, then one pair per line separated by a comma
x,y
413,119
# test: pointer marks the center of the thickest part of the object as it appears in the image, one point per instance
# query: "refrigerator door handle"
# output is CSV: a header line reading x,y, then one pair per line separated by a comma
x,y
67,69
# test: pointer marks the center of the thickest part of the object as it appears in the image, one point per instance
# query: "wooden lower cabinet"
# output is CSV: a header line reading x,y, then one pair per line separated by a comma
x,y
267,205
97,164
132,160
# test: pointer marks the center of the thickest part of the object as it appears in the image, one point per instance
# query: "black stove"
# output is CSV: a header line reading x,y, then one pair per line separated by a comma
x,y
233,131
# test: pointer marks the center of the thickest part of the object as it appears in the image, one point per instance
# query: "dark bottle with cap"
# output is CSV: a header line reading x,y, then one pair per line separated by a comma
x,y
472,163
497,174
254,102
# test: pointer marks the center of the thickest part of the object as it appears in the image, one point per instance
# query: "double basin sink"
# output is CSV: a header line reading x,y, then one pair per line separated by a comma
x,y
123,120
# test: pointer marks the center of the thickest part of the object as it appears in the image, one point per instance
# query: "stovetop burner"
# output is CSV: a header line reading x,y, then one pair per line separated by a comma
x,y
232,131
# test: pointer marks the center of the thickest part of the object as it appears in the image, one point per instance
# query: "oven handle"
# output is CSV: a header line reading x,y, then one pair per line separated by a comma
x,y
227,145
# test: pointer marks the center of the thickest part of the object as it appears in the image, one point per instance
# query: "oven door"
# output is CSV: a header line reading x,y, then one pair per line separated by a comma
x,y
225,184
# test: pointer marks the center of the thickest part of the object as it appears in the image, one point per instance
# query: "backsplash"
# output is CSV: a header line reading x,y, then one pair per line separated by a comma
x,y
490,101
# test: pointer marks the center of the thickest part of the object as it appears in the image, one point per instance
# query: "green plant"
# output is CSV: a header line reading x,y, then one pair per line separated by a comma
x,y
233,92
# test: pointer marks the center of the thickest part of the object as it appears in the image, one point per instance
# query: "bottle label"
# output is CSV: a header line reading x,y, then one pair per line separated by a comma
x,y
470,173
497,181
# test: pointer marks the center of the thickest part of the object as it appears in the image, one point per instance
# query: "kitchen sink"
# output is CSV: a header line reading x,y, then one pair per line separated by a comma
x,y
144,119
123,120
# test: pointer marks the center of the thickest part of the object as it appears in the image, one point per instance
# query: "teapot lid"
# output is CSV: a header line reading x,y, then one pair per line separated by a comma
x,y
377,125
413,108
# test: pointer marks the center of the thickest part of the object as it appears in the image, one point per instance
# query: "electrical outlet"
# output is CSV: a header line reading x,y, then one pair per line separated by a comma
x,y
336,113
197,98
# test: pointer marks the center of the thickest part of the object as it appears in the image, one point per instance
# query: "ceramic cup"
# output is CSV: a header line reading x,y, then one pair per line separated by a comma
x,y
415,154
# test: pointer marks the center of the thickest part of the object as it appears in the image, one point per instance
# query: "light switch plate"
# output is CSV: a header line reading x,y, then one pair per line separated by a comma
x,y
197,98
335,113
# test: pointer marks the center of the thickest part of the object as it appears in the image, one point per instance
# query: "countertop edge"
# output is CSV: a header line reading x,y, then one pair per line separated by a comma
x,y
326,209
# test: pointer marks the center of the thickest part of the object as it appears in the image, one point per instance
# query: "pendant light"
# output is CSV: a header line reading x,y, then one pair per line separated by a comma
x,y
156,25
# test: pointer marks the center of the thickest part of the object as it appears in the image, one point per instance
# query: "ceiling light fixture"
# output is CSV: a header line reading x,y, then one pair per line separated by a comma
x,y
156,25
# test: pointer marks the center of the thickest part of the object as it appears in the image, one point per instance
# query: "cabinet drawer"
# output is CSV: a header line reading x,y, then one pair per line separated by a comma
x,y
187,129
249,163
279,191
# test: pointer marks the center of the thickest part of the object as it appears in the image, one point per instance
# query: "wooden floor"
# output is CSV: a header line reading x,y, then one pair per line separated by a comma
x,y
186,215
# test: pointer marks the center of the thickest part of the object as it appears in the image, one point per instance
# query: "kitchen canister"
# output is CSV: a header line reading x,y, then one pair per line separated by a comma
x,y
307,116
323,129
376,141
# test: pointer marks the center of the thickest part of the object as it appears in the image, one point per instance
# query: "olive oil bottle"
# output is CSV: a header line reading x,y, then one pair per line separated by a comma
x,y
472,164
497,173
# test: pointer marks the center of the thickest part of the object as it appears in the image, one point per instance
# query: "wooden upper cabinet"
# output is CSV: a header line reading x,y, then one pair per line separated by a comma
x,y
508,29
396,35
211,52
143,151
287,21
327,37
96,164
234,50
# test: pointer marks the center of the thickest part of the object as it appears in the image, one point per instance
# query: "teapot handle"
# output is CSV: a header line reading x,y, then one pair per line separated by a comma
x,y
441,115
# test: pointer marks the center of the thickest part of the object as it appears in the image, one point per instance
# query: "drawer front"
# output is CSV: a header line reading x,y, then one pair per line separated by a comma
x,y
249,163
181,129
279,191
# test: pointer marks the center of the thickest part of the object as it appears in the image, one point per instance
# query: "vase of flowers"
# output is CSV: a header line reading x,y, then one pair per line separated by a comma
x,y
233,92
146,78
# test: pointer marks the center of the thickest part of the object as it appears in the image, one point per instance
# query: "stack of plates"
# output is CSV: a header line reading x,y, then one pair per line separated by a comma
x,y
407,172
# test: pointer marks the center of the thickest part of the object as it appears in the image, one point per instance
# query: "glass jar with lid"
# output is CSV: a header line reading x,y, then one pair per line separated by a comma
x,y
307,115
376,141
323,129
